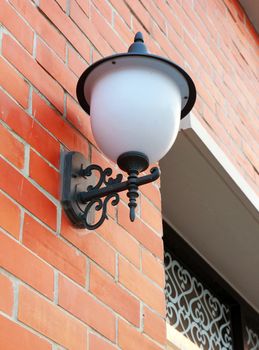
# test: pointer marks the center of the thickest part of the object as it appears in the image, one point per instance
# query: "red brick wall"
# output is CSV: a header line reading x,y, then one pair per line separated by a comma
x,y
63,288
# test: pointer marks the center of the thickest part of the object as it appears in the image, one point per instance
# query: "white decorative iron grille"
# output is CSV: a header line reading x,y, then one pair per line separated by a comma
x,y
252,339
194,310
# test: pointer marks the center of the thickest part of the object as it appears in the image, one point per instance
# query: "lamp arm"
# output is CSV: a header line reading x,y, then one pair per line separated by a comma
x,y
87,196
81,205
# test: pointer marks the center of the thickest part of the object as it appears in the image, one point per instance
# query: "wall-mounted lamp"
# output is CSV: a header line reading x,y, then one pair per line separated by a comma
x,y
135,101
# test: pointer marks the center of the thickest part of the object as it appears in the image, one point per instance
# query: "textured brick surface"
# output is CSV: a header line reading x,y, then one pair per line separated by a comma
x,y
64,288
6,295
26,266
86,308
50,320
121,301
9,215
14,335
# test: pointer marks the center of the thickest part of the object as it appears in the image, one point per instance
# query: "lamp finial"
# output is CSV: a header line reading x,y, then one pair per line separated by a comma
x,y
138,46
138,37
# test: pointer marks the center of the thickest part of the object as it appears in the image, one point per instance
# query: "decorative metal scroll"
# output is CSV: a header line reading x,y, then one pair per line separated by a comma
x,y
87,189
252,340
99,204
194,310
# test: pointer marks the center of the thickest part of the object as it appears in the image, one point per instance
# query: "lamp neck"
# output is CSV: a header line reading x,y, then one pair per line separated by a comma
x,y
133,161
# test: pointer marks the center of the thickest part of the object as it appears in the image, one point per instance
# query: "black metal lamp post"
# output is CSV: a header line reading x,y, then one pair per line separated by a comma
x,y
135,101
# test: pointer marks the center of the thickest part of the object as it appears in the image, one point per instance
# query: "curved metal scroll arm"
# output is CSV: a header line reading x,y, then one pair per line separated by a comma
x,y
103,174
99,204
113,187
101,189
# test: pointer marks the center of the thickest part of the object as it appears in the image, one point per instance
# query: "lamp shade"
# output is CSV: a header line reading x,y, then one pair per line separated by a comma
x,y
135,101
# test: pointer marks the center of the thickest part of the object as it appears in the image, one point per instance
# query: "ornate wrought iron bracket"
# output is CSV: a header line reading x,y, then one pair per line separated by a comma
x,y
87,189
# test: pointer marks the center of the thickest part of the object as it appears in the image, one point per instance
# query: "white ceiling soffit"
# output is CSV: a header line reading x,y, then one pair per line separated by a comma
x,y
251,8
207,201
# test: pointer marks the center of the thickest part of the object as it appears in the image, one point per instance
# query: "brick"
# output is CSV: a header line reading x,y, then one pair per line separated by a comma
x,y
251,155
155,13
29,130
12,335
50,320
171,16
145,235
42,26
177,43
105,289
32,71
236,10
90,244
9,216
107,32
154,326
45,175
97,343
194,19
6,295
79,119
58,126
153,268
89,29
206,96
131,339
122,29
84,5
96,56
167,47
11,148
155,47
141,13
199,55
31,267
252,31
120,240
123,10
76,63
66,25
56,68
151,215
13,83
16,25
199,11
136,282
62,4
25,193
152,192
54,250
104,8
86,308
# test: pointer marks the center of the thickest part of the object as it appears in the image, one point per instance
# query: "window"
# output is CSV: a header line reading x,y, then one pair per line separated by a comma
x,y
201,306
194,310
252,339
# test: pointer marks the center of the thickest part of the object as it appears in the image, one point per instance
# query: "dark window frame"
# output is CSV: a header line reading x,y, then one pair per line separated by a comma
x,y
242,313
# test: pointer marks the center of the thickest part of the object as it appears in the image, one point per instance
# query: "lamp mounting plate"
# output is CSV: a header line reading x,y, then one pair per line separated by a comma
x,y
72,184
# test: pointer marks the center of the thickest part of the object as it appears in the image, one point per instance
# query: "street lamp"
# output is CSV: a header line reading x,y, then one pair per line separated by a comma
x,y
135,100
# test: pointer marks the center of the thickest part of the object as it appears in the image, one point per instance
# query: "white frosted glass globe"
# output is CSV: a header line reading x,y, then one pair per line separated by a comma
x,y
135,105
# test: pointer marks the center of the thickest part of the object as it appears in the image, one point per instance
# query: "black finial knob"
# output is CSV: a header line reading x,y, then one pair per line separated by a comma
x,y
138,46
138,37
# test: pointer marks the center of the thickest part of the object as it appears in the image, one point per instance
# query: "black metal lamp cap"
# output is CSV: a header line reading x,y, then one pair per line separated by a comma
x,y
137,49
138,46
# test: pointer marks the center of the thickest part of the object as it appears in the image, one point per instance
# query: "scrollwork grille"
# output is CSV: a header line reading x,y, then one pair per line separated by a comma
x,y
252,339
194,310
